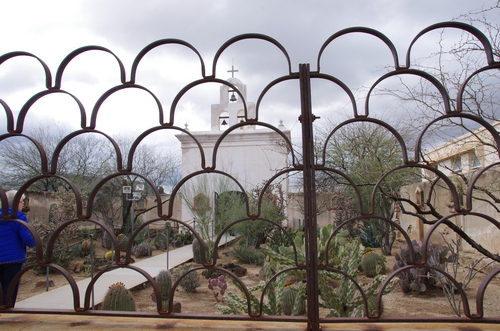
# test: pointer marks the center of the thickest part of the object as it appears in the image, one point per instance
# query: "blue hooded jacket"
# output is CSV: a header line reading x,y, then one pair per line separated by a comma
x,y
14,238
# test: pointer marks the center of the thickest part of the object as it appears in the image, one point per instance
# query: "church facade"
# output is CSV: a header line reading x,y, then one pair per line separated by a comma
x,y
250,154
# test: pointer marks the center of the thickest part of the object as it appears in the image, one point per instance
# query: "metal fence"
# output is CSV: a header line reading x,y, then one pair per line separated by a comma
x,y
314,271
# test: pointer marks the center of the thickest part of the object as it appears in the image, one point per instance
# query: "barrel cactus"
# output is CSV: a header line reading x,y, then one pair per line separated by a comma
x,y
122,241
161,241
86,246
209,251
118,298
164,280
197,251
109,256
372,264
289,300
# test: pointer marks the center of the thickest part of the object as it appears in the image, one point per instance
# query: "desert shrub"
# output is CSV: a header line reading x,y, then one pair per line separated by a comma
x,y
85,233
344,300
420,278
248,255
143,249
161,241
143,235
191,281
61,258
278,238
186,237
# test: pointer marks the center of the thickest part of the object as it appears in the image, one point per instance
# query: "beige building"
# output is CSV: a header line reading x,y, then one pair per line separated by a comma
x,y
460,160
40,203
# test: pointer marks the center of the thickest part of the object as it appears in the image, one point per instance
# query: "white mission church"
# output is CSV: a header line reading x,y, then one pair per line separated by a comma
x,y
250,153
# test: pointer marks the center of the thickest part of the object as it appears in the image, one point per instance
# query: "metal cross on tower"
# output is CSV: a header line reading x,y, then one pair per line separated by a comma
x,y
232,71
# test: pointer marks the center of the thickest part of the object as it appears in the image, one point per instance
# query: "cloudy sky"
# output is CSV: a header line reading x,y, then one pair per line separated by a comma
x,y
52,29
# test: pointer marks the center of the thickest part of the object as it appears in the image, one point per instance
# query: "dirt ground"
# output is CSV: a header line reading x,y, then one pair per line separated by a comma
x,y
396,304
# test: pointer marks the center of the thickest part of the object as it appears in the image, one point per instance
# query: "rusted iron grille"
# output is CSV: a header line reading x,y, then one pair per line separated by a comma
x,y
308,166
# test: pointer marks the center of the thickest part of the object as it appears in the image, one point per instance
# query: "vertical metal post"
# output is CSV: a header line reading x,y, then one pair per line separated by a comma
x,y
149,242
92,266
132,215
47,279
310,225
168,241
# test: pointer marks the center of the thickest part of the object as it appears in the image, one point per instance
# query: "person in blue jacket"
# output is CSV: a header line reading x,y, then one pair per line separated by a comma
x,y
14,238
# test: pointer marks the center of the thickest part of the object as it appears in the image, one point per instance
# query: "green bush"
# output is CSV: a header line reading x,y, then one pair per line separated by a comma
x,y
248,255
192,280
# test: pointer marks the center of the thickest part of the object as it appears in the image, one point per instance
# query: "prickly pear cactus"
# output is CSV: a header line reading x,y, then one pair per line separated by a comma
x,y
118,298
372,264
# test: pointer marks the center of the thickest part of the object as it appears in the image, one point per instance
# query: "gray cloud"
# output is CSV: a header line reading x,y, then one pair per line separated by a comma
x,y
127,26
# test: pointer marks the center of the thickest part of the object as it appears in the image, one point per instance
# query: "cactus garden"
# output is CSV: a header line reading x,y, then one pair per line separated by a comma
x,y
215,292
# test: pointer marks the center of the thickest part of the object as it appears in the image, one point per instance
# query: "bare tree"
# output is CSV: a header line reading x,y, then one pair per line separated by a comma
x,y
85,161
459,67
453,64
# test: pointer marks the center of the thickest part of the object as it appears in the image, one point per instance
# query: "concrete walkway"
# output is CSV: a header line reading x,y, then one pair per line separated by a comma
x,y
62,297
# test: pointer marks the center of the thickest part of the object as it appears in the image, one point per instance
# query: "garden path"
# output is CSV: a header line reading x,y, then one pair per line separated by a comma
x,y
62,298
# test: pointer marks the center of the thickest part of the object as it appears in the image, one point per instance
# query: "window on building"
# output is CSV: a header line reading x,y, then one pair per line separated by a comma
x,y
475,163
456,163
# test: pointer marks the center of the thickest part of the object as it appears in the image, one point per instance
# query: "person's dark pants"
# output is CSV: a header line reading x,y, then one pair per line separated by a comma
x,y
7,272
